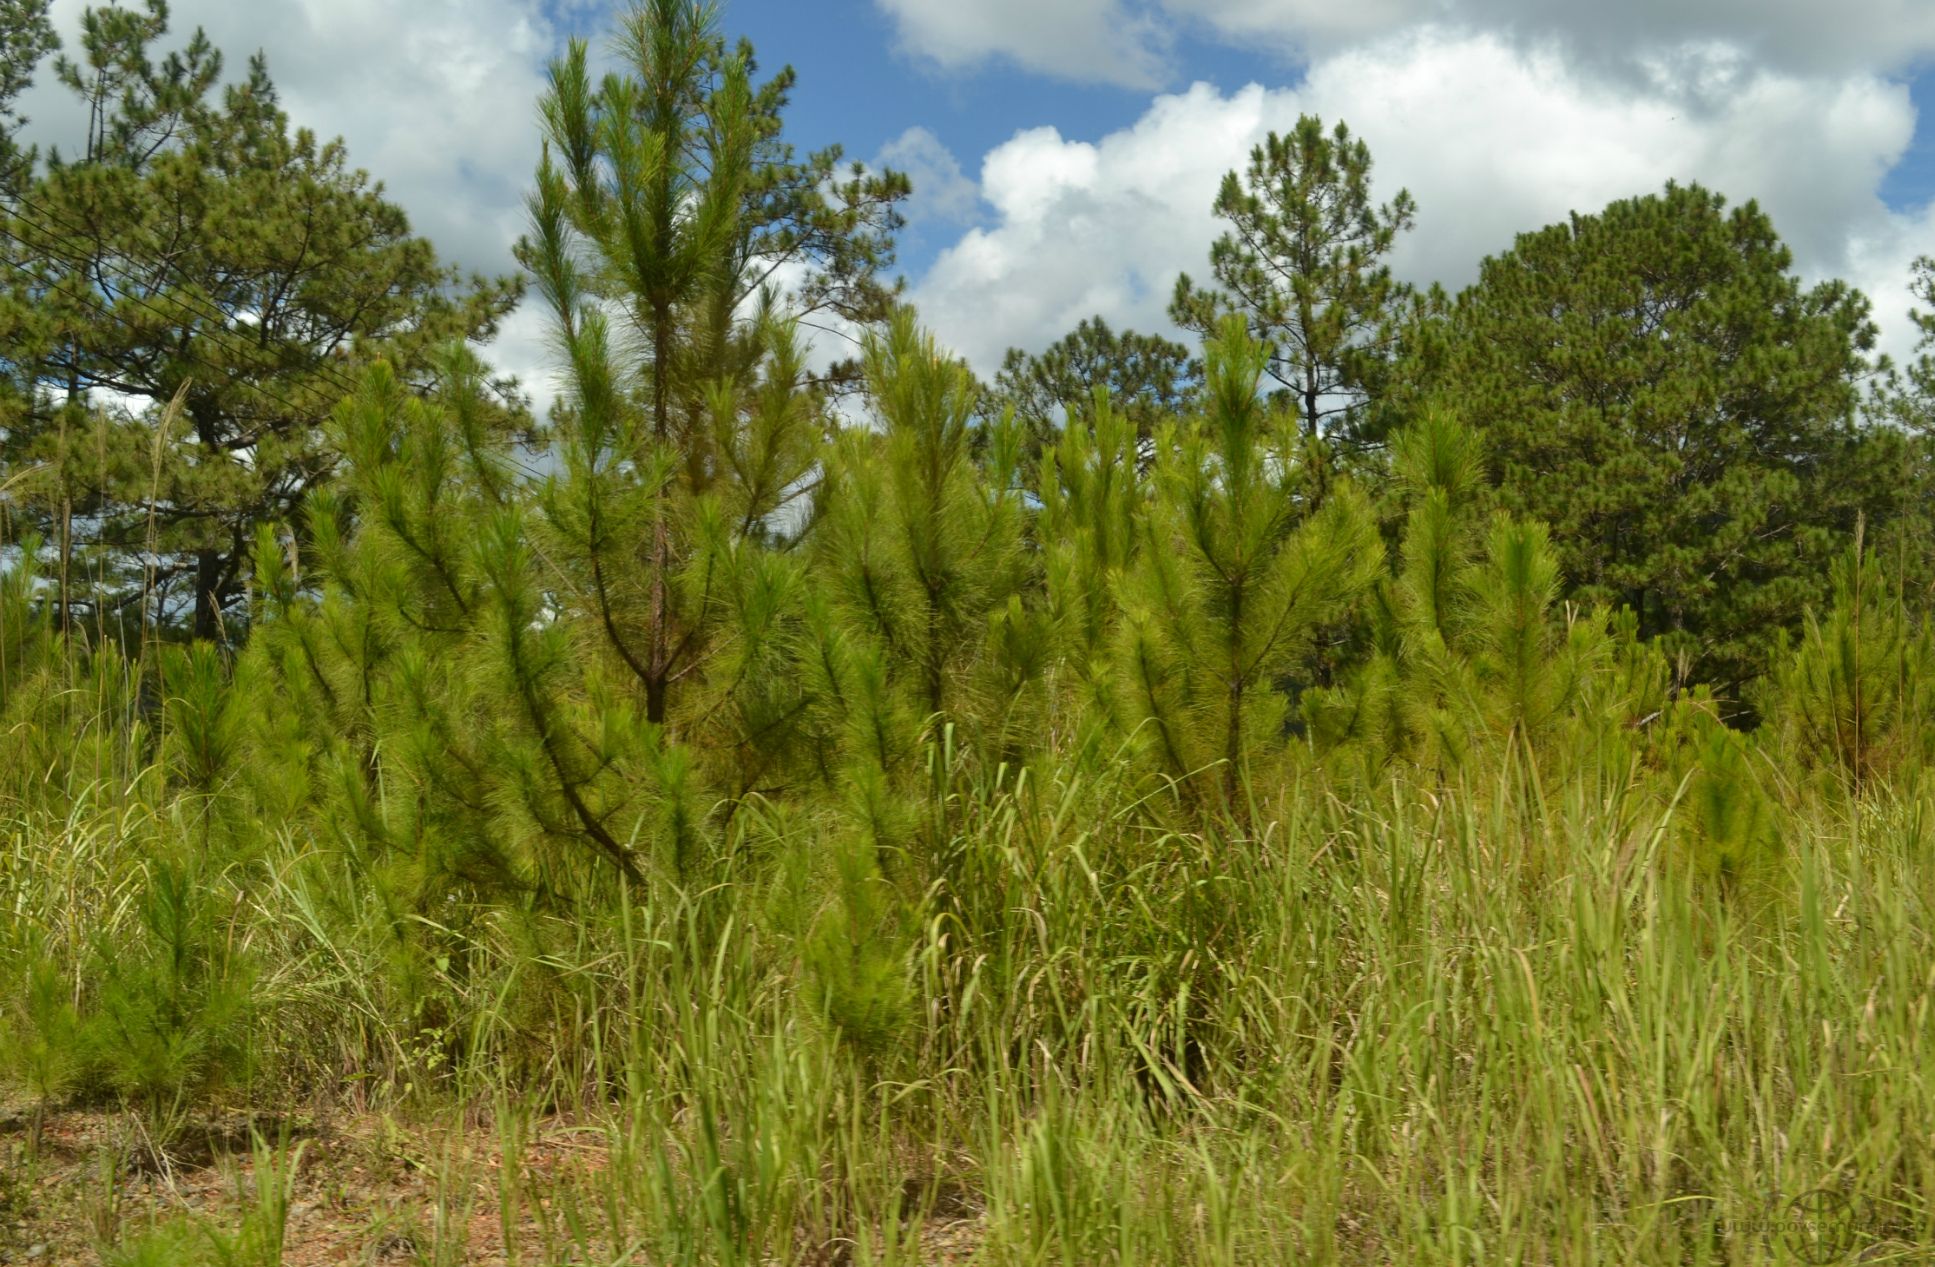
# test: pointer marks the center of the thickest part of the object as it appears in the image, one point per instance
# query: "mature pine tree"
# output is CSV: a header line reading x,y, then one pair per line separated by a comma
x,y
1149,378
1654,384
26,36
1921,370
666,201
1304,263
197,248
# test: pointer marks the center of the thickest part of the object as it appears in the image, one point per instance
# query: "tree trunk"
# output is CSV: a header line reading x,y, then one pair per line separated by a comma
x,y
658,660
208,598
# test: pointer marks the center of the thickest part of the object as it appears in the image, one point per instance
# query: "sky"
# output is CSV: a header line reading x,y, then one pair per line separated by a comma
x,y
1065,153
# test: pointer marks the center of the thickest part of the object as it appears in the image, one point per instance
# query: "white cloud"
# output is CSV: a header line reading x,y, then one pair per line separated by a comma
x,y
942,192
1128,41
1491,138
1092,41
437,98
1802,35
1298,25
1879,260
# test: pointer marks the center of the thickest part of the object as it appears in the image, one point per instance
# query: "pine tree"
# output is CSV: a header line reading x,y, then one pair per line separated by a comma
x,y
919,547
427,639
1148,378
26,36
1093,493
1921,370
1471,653
1656,387
197,249
1236,575
665,202
1303,263
1854,693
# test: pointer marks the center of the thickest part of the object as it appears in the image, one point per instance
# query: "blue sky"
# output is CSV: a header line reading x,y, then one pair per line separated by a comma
x,y
1067,151
860,87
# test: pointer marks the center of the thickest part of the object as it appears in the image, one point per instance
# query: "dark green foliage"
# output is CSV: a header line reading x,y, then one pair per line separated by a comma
x,y
1656,386
1148,378
26,36
1921,370
198,252
1304,266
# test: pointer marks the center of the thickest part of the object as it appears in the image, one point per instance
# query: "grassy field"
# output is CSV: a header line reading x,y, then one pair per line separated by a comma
x,y
1471,1024
1402,778
1214,863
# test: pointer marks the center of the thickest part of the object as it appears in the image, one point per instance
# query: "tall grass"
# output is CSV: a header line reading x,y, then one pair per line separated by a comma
x,y
1483,1023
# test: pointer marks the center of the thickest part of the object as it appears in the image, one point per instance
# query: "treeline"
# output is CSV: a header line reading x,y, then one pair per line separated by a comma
x,y
286,565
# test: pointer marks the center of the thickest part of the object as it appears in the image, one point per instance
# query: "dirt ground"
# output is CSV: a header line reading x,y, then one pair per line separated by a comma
x,y
367,1191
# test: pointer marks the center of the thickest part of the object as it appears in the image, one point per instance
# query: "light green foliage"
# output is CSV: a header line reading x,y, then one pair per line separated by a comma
x,y
1854,695
201,720
805,834
920,546
666,198
41,1044
27,645
174,1004
1237,572
1727,827
67,715
919,637
437,641
1093,495
1472,656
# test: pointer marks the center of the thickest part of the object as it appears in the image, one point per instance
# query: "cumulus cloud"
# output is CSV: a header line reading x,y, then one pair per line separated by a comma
x,y
942,192
1801,35
1127,41
1880,257
1302,25
1091,41
1492,138
436,98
